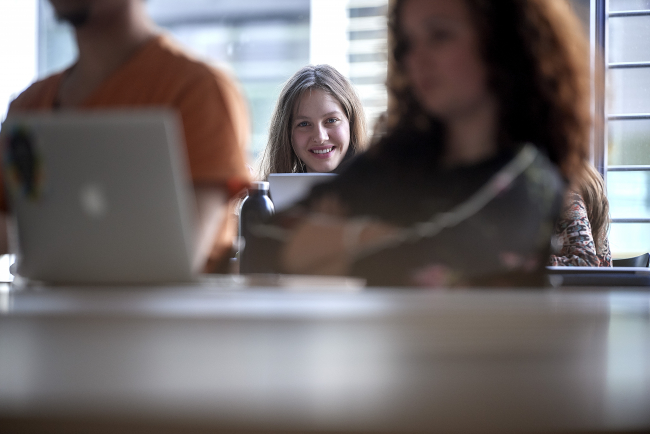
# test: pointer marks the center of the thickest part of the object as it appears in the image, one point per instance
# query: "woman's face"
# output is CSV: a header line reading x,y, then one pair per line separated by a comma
x,y
443,62
320,132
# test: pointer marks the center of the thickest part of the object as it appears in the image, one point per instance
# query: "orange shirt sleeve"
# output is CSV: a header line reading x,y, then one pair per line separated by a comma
x,y
213,112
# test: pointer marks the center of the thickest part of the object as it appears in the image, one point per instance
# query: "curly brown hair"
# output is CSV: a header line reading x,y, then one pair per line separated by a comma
x,y
538,60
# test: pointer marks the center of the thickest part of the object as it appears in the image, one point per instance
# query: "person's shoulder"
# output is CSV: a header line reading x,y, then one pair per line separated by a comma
x,y
574,205
37,95
574,197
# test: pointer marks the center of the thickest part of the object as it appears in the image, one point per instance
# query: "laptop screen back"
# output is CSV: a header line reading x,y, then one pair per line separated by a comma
x,y
288,188
99,197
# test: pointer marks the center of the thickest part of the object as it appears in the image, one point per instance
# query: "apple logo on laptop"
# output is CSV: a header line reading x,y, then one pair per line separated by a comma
x,y
93,200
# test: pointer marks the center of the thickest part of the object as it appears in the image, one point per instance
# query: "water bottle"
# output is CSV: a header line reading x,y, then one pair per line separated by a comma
x,y
256,209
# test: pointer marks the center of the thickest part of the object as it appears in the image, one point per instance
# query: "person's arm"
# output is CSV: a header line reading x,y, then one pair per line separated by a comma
x,y
216,133
211,203
606,255
578,247
326,243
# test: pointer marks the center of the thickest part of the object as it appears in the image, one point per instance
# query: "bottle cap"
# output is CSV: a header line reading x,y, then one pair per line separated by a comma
x,y
259,185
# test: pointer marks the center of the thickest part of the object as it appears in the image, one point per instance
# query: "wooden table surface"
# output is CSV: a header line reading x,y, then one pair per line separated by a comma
x,y
227,358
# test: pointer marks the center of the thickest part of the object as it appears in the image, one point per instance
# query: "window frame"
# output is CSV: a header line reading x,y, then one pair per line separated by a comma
x,y
601,67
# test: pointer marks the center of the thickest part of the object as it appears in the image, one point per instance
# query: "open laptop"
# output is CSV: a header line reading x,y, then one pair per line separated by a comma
x,y
599,276
100,197
286,189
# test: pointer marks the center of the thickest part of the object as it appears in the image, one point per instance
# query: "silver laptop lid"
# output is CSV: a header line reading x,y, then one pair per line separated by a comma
x,y
286,189
100,196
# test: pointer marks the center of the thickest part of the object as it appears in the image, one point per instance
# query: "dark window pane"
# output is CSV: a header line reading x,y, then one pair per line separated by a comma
x,y
368,34
363,12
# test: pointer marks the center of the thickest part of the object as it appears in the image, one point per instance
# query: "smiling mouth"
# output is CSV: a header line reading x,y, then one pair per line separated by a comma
x,y
322,151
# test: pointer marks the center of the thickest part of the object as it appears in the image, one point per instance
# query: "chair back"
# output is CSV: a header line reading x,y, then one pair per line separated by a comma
x,y
637,261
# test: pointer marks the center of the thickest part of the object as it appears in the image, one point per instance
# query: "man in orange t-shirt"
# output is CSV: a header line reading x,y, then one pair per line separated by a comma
x,y
124,63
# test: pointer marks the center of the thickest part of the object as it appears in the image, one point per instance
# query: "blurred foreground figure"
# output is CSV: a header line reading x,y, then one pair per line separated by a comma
x,y
581,233
490,115
125,63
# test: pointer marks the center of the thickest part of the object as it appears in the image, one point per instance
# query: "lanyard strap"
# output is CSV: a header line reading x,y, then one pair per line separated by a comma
x,y
439,221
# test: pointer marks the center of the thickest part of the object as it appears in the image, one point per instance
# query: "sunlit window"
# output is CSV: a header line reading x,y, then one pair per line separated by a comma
x,y
627,109
18,30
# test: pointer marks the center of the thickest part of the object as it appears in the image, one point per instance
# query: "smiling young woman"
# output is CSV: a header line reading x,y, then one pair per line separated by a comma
x,y
320,133
491,117
317,124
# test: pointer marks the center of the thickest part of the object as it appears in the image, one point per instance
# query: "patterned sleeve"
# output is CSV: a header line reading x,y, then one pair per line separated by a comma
x,y
573,233
605,255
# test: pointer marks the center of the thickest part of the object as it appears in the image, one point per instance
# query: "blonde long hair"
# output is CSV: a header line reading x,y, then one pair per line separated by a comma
x,y
279,156
589,184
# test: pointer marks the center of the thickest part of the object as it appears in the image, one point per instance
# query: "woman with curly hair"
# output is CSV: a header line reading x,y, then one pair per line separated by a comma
x,y
489,117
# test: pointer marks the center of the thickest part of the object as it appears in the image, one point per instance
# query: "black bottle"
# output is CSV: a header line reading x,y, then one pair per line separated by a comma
x,y
256,208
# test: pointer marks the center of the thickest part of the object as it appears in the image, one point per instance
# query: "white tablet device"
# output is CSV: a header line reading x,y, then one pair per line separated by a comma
x,y
288,188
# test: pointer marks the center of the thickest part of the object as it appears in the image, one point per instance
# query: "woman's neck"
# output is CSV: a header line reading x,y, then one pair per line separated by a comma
x,y
472,136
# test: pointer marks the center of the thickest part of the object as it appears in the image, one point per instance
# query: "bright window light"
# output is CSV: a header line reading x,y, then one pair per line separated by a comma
x,y
18,36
